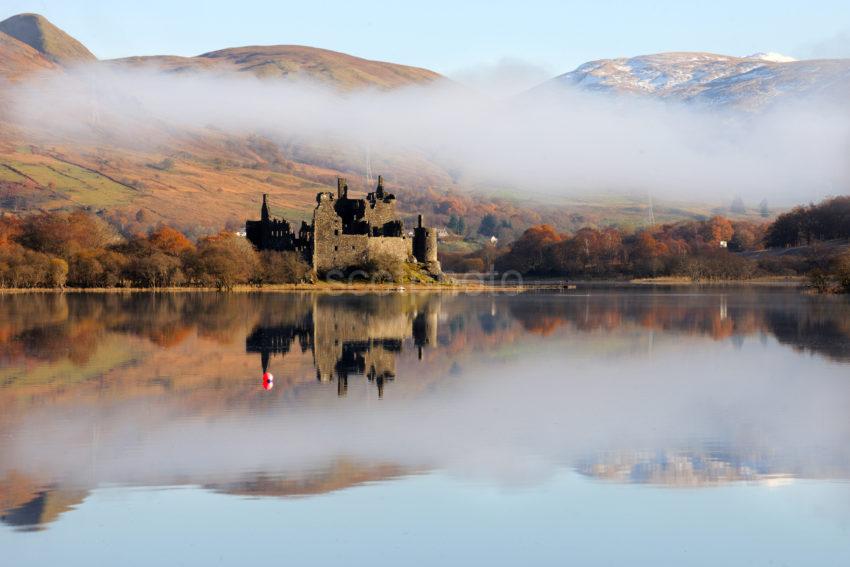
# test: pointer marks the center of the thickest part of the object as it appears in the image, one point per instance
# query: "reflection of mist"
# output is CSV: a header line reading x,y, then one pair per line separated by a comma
x,y
509,389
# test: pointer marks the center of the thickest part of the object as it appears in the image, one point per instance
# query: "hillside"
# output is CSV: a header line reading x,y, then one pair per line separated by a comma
x,y
37,32
17,59
706,78
294,61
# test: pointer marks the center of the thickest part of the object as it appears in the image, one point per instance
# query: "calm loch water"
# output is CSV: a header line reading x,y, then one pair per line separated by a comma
x,y
594,427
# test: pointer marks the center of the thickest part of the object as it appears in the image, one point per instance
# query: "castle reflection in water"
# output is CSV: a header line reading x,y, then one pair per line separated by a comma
x,y
348,337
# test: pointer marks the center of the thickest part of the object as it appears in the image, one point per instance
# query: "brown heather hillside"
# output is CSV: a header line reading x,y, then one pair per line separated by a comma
x,y
37,32
18,59
286,61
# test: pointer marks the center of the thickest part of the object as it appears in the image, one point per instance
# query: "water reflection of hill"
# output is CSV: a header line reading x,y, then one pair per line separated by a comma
x,y
694,468
338,476
45,507
27,508
162,362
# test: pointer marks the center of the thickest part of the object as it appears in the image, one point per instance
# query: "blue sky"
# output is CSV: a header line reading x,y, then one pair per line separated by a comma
x,y
453,36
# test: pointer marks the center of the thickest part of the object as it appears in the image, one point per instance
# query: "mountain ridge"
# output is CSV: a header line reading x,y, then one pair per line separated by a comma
x,y
287,61
712,79
51,46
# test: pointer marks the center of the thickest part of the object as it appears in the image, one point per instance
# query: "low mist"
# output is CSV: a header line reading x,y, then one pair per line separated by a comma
x,y
514,421
555,142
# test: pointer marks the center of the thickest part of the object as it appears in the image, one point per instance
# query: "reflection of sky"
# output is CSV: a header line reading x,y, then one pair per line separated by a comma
x,y
435,520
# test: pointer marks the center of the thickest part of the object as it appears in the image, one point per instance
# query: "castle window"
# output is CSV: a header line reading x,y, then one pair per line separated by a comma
x,y
352,246
336,248
336,232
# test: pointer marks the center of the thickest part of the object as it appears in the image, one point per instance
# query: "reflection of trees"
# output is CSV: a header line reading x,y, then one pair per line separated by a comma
x,y
44,327
53,326
806,323
820,328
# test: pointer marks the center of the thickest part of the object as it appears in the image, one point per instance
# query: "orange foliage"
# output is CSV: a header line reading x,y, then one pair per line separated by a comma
x,y
10,229
170,241
717,229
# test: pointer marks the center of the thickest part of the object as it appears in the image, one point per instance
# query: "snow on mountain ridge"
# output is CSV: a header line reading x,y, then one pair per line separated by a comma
x,y
771,56
747,82
659,73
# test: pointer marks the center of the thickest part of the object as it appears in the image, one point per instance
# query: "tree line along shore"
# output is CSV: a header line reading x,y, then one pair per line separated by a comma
x,y
810,241
79,249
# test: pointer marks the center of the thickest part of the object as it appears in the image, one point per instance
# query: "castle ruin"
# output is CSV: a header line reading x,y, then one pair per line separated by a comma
x,y
348,233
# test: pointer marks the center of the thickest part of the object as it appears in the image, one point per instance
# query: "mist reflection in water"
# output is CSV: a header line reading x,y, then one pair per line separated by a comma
x,y
639,386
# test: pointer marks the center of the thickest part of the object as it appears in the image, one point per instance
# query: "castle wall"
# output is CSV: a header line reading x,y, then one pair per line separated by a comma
x,y
340,251
346,250
380,213
397,247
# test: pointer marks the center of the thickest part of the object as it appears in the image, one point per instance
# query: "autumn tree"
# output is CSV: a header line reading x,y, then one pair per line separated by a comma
x,y
281,268
96,268
718,229
222,261
63,234
157,260
23,268
170,241
648,254
527,254
11,229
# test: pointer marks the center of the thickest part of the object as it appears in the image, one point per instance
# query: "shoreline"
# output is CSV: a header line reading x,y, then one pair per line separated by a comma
x,y
792,282
772,281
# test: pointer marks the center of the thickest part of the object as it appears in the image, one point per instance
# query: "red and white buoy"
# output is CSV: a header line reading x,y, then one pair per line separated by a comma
x,y
268,381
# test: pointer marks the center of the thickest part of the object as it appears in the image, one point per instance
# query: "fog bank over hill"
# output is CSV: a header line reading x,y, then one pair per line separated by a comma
x,y
563,142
